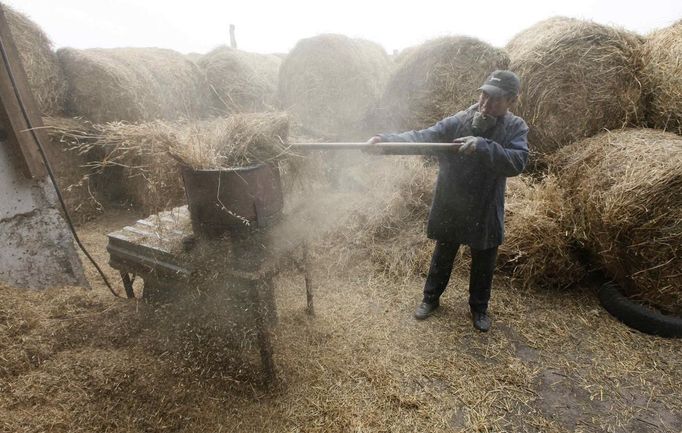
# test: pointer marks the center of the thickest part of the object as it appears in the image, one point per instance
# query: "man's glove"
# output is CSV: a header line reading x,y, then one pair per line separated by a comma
x,y
468,144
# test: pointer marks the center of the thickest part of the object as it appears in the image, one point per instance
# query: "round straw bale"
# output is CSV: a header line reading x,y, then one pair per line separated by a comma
x,y
578,78
45,77
132,84
436,80
537,251
330,82
626,192
663,78
241,81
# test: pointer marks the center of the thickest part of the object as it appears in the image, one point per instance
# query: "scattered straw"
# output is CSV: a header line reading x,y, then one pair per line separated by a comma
x,y
147,154
77,181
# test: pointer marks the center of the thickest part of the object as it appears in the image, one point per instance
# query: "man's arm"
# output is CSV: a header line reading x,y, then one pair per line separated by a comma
x,y
506,160
441,132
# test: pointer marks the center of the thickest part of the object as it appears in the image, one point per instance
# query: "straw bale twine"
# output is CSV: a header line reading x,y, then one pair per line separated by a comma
x,y
45,77
537,247
330,82
663,78
132,84
578,78
241,81
436,80
626,192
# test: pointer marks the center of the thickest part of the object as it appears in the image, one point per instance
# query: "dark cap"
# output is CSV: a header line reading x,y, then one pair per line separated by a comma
x,y
501,83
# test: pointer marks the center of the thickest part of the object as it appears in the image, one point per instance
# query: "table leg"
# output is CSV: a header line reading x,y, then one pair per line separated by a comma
x,y
310,308
128,284
263,332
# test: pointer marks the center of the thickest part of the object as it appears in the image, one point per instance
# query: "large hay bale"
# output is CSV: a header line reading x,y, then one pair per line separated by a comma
x,y
133,84
437,79
663,78
578,78
330,82
626,191
537,248
241,81
45,77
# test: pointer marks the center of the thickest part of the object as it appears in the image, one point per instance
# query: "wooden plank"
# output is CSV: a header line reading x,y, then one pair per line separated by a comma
x,y
18,135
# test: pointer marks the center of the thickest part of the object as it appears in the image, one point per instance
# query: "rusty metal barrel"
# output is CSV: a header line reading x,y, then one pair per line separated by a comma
x,y
233,200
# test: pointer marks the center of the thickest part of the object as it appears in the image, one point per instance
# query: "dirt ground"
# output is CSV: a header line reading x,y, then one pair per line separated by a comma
x,y
83,361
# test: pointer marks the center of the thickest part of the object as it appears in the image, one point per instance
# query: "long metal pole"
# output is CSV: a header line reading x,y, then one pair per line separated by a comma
x,y
385,148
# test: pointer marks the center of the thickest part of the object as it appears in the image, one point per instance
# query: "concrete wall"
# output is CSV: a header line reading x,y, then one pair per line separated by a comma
x,y
36,248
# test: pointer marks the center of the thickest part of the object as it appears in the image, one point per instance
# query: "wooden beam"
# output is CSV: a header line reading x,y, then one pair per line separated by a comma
x,y
14,85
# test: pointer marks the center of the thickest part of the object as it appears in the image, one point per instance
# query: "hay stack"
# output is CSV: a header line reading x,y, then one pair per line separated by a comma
x,y
330,82
241,81
537,251
45,76
437,79
663,78
626,191
578,78
133,84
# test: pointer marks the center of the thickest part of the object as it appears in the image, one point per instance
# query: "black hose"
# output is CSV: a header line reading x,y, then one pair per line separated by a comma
x,y
48,166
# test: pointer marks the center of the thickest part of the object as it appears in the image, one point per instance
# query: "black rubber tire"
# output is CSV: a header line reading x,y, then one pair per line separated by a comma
x,y
638,316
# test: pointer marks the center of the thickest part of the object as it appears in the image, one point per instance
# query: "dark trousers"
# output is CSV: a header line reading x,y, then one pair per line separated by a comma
x,y
480,276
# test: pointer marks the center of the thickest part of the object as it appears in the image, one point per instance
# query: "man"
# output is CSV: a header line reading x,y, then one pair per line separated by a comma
x,y
468,203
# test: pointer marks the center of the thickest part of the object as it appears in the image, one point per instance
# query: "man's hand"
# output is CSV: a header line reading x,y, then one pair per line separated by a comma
x,y
468,144
371,148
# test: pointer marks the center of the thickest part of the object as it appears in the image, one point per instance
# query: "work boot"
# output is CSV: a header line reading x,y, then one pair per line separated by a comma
x,y
481,320
425,309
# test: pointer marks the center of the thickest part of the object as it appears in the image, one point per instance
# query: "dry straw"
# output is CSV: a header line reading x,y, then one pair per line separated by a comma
x,y
236,141
146,154
133,84
330,82
436,80
45,77
626,191
386,223
77,180
537,249
241,81
81,361
578,79
663,77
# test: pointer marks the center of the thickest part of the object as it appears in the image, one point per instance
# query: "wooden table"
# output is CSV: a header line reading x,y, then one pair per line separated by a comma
x,y
164,252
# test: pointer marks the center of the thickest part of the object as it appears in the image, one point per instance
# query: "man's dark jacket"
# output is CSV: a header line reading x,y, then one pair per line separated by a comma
x,y
468,204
